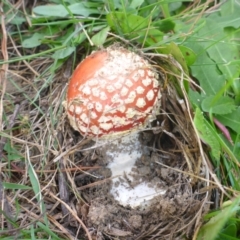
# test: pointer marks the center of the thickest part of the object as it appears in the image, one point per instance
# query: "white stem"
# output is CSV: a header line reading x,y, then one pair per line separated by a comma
x,y
122,155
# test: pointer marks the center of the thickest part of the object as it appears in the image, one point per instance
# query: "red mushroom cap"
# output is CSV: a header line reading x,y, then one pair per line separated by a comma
x,y
111,92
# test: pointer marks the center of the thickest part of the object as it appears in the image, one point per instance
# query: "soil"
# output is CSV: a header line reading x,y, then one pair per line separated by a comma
x,y
167,214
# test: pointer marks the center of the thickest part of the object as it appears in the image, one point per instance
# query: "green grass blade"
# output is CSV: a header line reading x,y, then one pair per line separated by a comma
x,y
212,228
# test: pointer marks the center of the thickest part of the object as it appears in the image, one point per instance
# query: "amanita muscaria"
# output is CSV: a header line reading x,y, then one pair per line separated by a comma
x,y
112,95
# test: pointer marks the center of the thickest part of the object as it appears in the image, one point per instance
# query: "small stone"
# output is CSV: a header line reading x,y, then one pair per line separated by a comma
x,y
135,221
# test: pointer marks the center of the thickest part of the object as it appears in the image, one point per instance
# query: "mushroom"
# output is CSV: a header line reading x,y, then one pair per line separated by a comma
x,y
113,95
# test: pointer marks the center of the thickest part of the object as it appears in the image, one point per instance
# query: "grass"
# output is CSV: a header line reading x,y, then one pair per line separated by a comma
x,y
41,45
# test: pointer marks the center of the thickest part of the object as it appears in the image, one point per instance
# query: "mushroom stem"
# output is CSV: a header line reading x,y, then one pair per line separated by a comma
x,y
128,188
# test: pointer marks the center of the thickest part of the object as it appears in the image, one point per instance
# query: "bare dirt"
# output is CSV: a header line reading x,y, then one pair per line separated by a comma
x,y
170,216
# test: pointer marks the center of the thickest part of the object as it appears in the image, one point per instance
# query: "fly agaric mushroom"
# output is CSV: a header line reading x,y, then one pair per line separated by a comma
x,y
112,95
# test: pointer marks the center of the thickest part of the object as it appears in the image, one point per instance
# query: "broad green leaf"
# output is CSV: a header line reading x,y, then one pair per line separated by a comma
x,y
207,133
15,19
58,10
230,230
126,23
63,53
150,37
231,120
53,30
176,53
174,6
173,1
15,186
55,10
229,8
12,153
233,37
211,229
188,54
115,4
99,38
136,3
222,105
80,9
222,236
164,25
205,71
79,38
220,49
196,98
227,21
134,27
34,41
229,14
221,46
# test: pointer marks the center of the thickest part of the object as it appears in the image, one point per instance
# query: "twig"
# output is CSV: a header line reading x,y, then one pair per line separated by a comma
x,y
73,213
63,189
62,182
24,61
3,70
76,169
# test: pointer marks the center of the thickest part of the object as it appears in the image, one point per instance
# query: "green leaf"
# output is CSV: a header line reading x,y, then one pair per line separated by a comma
x,y
134,27
35,185
136,3
220,49
207,133
79,38
232,37
231,120
229,8
34,41
47,230
164,25
231,20
99,38
15,186
56,10
222,105
227,237
205,71
230,230
196,98
63,53
211,229
221,44
188,54
229,14
15,19
13,153
174,50
80,9
150,37
127,23
176,53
